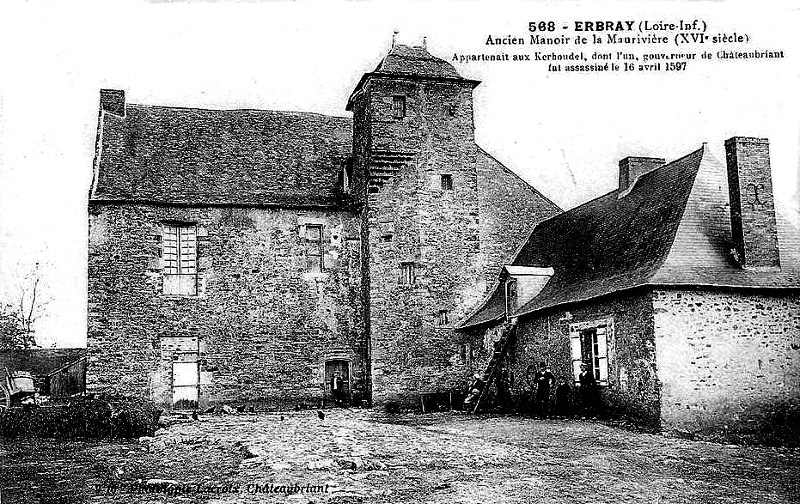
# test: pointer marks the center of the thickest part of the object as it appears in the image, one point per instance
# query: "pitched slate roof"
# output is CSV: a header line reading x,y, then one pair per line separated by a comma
x,y
671,228
413,60
206,157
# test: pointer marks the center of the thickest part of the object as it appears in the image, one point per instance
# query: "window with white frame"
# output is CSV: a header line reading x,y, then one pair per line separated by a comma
x,y
179,258
589,345
314,253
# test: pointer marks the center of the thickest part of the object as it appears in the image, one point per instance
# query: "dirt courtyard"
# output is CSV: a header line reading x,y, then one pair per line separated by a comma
x,y
365,456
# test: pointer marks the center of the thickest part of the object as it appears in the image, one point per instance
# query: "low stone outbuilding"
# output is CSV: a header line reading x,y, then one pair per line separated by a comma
x,y
680,290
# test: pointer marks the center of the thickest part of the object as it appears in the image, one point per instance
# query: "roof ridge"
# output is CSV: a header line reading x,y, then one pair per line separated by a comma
x,y
512,172
203,109
617,189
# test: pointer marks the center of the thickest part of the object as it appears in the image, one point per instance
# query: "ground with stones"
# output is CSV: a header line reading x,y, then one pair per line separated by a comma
x,y
364,456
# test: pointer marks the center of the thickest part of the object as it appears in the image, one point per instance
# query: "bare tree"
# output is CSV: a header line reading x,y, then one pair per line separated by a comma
x,y
18,320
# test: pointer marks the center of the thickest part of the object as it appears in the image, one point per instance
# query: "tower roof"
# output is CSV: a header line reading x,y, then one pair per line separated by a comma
x,y
411,62
417,61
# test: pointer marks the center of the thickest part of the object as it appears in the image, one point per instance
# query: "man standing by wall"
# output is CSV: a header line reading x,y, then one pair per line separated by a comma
x,y
544,379
588,390
337,388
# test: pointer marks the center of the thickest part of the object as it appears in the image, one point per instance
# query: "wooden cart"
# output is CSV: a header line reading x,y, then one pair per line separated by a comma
x,y
16,388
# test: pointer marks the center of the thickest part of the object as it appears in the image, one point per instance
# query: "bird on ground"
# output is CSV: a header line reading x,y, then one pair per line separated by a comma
x,y
321,415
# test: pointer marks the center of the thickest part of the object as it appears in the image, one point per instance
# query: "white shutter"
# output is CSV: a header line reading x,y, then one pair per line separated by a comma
x,y
603,368
602,343
602,354
575,346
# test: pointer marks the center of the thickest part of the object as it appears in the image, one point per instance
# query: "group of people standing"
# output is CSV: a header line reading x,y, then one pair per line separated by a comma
x,y
543,382
588,393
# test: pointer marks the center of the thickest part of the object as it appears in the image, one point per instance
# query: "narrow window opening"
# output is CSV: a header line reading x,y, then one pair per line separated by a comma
x,y
398,107
444,317
407,273
314,252
465,354
447,182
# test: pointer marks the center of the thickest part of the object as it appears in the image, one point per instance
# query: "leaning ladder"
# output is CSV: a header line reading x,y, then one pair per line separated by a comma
x,y
500,351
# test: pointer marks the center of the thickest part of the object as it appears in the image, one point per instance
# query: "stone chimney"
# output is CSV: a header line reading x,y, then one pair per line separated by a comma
x,y
113,101
753,227
632,167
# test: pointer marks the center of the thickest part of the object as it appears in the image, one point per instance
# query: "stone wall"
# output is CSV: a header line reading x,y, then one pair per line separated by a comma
x,y
727,360
509,210
412,219
633,388
263,324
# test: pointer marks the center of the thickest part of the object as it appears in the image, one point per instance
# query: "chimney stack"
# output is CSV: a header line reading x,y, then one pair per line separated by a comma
x,y
633,167
113,101
753,226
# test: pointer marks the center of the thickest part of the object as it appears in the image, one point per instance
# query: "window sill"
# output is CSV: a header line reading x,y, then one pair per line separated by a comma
x,y
182,296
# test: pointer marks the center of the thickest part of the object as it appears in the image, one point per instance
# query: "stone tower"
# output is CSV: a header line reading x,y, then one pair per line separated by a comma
x,y
415,165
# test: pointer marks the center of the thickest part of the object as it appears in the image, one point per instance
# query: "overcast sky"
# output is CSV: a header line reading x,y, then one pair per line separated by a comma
x,y
564,133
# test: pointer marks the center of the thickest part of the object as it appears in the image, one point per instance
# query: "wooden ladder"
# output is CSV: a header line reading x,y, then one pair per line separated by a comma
x,y
500,351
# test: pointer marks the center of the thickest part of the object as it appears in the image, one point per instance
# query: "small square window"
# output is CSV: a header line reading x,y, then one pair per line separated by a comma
x,y
447,182
398,107
408,275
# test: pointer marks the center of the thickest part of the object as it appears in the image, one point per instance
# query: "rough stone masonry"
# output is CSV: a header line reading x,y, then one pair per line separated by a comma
x,y
250,256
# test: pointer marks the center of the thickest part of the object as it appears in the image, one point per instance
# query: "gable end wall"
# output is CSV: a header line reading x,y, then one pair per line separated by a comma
x,y
727,359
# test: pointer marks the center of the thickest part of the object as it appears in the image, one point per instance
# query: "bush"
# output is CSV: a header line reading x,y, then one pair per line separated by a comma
x,y
83,417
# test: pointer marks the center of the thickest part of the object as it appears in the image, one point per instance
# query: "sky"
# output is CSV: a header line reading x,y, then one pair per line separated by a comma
x,y
563,133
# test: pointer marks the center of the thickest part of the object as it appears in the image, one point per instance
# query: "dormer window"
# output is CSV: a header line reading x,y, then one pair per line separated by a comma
x,y
346,174
398,107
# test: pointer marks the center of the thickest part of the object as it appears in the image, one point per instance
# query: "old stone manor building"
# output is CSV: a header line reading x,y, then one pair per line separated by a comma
x,y
246,256
249,256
